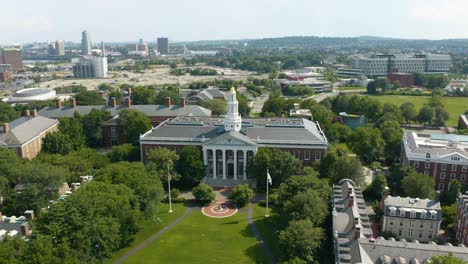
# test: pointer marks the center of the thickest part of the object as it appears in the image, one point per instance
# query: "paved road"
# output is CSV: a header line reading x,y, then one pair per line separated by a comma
x,y
259,237
153,237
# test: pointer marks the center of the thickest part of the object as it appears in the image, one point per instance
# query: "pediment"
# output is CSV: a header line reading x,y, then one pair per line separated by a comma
x,y
231,138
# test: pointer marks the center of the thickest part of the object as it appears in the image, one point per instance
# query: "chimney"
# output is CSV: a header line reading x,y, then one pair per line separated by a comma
x,y
357,232
184,102
34,113
386,192
6,128
27,113
437,196
25,229
128,102
73,102
168,102
58,103
29,214
113,102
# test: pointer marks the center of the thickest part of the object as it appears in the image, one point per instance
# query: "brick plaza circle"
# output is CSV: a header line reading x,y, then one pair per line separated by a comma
x,y
219,210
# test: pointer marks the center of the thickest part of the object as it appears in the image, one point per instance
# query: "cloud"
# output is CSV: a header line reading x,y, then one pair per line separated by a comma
x,y
441,11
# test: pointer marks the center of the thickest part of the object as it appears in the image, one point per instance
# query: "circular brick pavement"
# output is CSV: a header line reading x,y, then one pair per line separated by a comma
x,y
219,210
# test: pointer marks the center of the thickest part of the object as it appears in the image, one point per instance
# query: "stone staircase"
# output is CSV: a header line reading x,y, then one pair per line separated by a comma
x,y
228,182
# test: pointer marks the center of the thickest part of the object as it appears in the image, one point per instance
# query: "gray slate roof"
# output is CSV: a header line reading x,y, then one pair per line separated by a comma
x,y
260,131
25,128
149,110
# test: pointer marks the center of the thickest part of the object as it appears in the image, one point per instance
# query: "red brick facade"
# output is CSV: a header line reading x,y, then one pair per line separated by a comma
x,y
462,220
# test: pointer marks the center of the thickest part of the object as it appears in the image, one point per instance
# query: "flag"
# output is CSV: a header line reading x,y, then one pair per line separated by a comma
x,y
269,178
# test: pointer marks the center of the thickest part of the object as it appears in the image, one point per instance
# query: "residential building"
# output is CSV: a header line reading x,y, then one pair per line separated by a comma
x,y
463,121
319,86
405,79
86,43
163,46
383,64
226,144
442,156
13,57
90,67
24,135
411,218
6,72
113,130
59,48
12,226
355,242
462,220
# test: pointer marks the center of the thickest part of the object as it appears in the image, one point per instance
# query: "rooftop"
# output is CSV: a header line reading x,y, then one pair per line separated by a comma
x,y
25,128
415,203
436,144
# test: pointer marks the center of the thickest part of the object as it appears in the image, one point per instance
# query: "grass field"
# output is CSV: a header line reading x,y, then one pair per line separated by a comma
x,y
454,105
266,227
199,239
352,88
151,226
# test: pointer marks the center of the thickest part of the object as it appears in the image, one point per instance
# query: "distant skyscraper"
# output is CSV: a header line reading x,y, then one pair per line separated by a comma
x,y
103,49
141,41
163,46
59,48
85,43
11,56
51,49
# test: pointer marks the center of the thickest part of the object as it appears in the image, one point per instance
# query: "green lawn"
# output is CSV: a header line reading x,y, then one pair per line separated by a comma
x,y
351,88
199,239
266,227
454,105
151,226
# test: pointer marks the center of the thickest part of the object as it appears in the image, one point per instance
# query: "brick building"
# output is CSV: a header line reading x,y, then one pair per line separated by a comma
x,y
442,156
405,79
226,144
6,72
24,135
462,220
13,57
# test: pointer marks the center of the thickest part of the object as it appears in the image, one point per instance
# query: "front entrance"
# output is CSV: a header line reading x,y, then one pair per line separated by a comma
x,y
230,171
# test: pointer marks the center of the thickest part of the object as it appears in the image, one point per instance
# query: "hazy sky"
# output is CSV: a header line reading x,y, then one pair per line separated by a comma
x,y
180,20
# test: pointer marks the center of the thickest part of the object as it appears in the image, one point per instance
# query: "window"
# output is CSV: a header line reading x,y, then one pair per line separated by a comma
x,y
420,235
423,215
464,168
297,154
433,215
115,142
307,155
400,232
442,175
318,155
444,167
413,214
441,186
392,212
421,225
454,167
411,224
426,172
430,236
428,155
455,158
401,223
452,176
463,177
431,226
427,165
416,164
410,233
113,132
391,223
402,213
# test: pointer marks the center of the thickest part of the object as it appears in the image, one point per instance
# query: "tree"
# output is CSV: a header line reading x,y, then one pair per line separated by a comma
x,y
371,87
143,96
163,94
93,124
275,105
426,115
7,113
453,192
300,239
378,185
72,127
418,185
338,132
160,160
281,165
347,167
190,167
135,123
203,193
448,259
408,112
298,184
217,107
397,84
449,216
88,98
327,165
307,204
367,142
241,195
125,152
244,109
57,143
392,135
440,116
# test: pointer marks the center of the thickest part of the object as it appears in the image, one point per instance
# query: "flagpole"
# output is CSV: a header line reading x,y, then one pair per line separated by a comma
x,y
267,183
169,189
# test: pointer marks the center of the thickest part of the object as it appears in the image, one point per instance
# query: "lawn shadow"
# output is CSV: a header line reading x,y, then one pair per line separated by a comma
x,y
192,203
255,253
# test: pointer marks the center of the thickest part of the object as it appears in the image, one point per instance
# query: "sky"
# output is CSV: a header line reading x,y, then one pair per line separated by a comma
x,y
188,20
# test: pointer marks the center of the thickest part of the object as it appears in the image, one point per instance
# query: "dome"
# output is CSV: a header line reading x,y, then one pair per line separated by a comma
x,y
31,95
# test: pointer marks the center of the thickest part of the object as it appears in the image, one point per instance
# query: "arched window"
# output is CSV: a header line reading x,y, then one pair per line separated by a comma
x,y
428,155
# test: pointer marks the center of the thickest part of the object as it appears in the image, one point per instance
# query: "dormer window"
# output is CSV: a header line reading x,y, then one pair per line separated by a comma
x,y
413,214
402,213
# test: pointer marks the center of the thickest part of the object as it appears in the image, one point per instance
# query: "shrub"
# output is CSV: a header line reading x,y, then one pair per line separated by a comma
x,y
241,195
203,193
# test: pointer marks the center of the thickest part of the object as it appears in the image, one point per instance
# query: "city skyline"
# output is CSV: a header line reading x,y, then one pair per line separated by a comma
x,y
208,20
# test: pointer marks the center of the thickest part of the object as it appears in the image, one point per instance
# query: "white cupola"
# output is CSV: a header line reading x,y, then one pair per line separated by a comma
x,y
232,120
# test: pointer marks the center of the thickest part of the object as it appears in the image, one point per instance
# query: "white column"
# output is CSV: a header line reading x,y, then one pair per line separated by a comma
x,y
214,163
245,164
224,164
205,157
235,164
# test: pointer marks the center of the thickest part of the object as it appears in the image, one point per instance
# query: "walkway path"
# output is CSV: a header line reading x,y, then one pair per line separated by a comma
x,y
153,237
259,237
